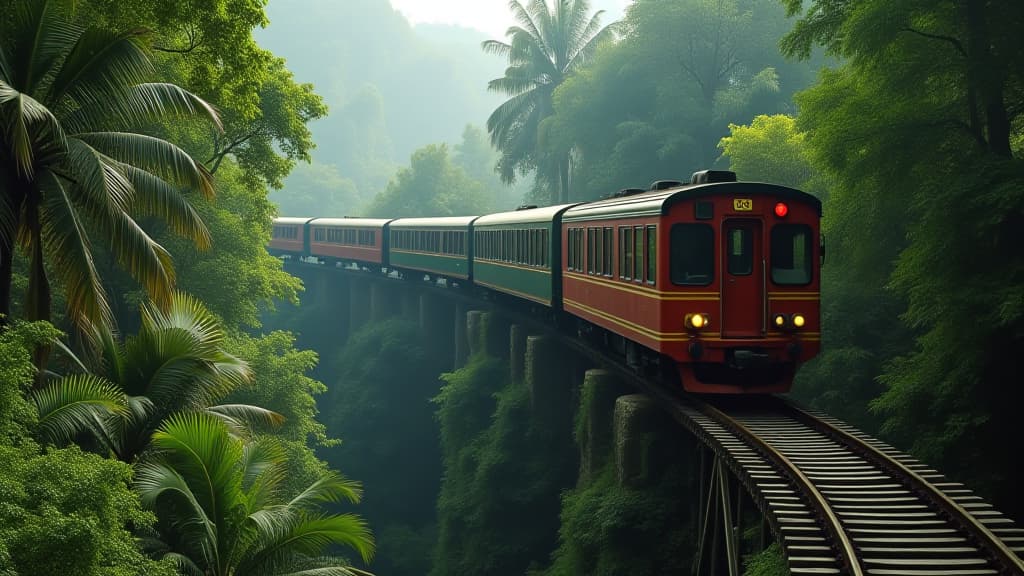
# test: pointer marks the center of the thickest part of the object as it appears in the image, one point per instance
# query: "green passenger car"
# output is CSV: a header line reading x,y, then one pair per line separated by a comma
x,y
520,253
435,246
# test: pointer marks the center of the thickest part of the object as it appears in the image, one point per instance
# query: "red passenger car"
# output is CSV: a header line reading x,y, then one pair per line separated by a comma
x,y
718,279
349,240
288,236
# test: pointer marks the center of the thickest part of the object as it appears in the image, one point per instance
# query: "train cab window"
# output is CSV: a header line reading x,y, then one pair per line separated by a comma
x,y
791,254
692,254
740,250
652,254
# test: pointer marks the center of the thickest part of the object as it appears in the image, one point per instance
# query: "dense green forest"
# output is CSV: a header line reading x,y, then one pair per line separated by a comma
x,y
157,416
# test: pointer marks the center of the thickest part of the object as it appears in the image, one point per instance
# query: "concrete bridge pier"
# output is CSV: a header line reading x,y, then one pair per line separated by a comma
x,y
461,334
597,406
385,300
436,329
517,352
637,420
330,297
545,375
359,304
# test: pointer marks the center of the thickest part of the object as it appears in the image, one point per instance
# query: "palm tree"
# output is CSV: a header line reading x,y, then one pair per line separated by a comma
x,y
73,171
222,513
548,46
176,363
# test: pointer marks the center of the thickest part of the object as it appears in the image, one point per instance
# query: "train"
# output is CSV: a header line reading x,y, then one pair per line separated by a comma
x,y
714,282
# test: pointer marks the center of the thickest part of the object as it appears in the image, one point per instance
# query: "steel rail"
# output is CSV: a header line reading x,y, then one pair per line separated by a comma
x,y
844,545
967,522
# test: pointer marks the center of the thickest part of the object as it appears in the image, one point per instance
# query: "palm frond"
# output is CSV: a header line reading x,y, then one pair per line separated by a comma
x,y
511,85
23,116
6,67
42,35
248,415
495,47
505,115
198,448
102,66
142,104
263,472
159,99
155,197
68,249
303,535
143,258
70,355
157,480
74,404
184,564
337,570
528,23
154,155
331,487
594,36
105,187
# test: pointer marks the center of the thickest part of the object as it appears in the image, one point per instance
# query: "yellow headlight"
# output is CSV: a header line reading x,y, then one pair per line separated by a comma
x,y
798,320
780,321
696,321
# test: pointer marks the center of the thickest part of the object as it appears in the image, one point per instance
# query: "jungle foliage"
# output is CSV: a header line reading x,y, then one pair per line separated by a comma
x,y
93,94
924,284
502,475
383,380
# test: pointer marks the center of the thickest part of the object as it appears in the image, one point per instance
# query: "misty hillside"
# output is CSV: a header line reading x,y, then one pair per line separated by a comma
x,y
391,88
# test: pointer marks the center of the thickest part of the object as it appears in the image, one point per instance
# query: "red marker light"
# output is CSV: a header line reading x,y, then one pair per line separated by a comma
x,y
781,210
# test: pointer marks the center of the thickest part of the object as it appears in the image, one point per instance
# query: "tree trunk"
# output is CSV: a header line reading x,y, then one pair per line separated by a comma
x,y
986,74
13,198
37,303
6,275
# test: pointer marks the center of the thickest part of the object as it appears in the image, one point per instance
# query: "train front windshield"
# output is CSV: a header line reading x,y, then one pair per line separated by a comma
x,y
791,254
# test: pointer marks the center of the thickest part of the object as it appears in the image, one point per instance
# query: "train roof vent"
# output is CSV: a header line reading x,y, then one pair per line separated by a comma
x,y
711,176
628,192
526,207
663,184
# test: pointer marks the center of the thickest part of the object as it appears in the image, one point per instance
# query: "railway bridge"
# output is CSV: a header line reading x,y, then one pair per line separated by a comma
x,y
835,499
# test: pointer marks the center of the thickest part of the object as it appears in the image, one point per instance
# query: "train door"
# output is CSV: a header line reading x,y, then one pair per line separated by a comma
x,y
742,279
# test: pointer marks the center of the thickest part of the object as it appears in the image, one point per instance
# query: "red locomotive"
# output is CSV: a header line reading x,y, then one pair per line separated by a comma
x,y
718,276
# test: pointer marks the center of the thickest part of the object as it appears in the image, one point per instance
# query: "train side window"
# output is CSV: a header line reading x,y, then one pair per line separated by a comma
x,y
544,248
652,254
692,254
625,252
638,253
591,237
791,254
570,240
609,250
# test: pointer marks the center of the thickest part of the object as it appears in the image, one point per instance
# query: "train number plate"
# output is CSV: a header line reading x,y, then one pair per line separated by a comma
x,y
742,204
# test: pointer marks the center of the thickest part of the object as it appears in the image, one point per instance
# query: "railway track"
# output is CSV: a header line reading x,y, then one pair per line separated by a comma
x,y
838,500
846,503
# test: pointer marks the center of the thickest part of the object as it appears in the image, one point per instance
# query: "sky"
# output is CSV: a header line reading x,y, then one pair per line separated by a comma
x,y
489,16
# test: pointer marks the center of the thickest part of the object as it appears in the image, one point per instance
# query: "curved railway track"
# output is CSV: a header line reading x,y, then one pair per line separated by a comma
x,y
838,500
883,512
